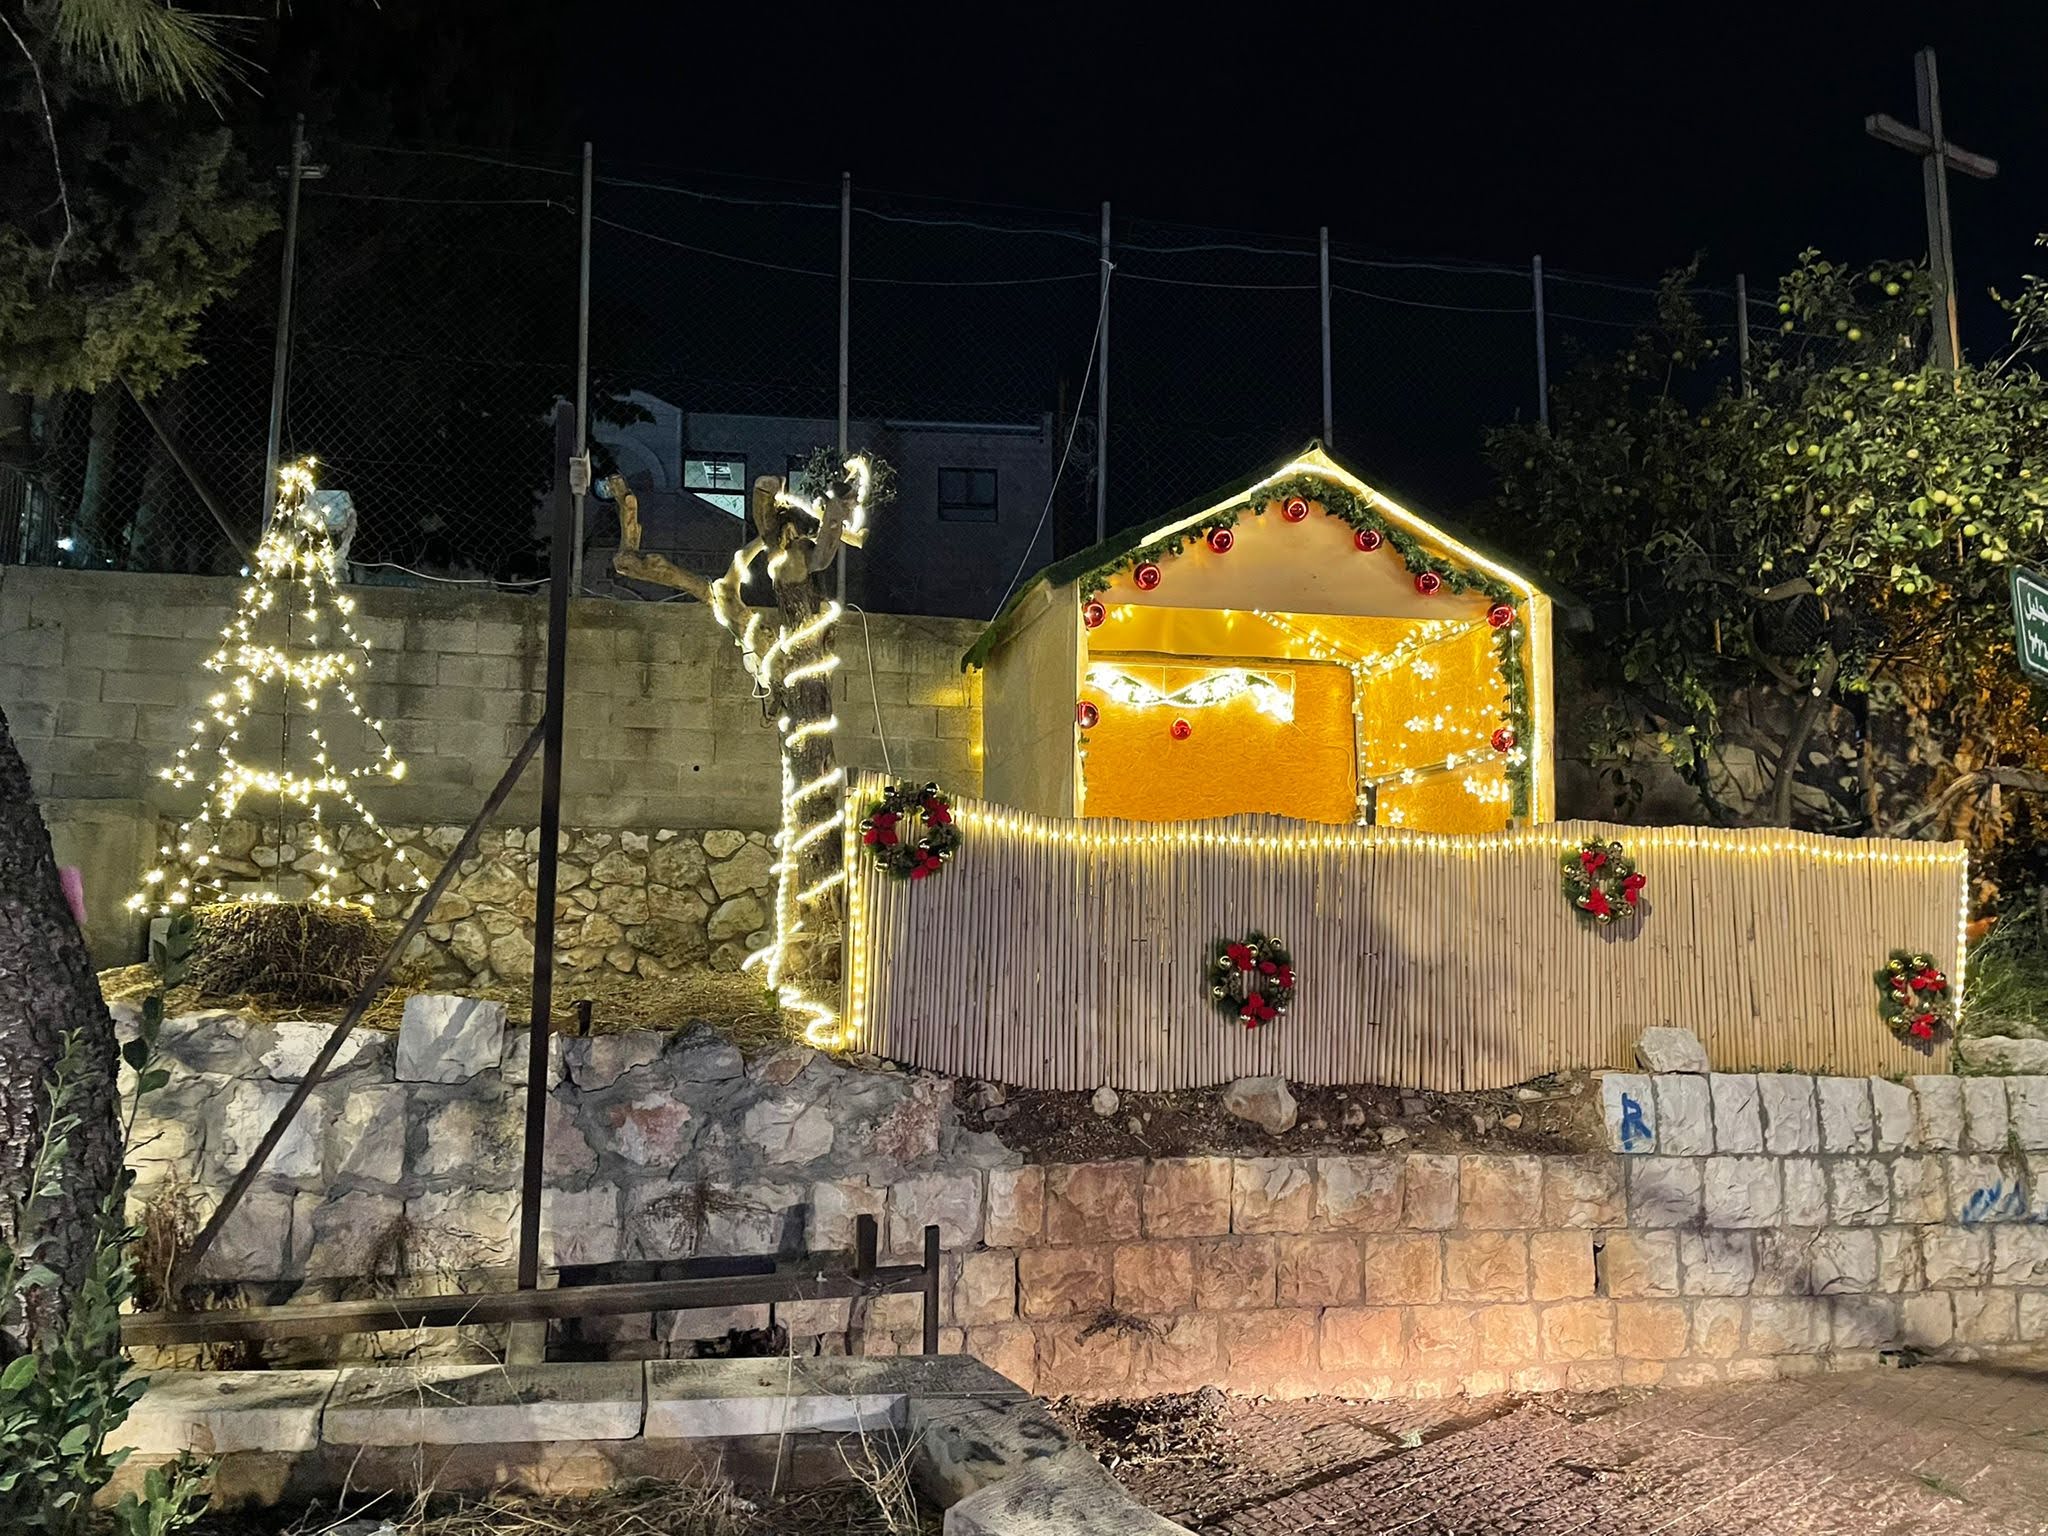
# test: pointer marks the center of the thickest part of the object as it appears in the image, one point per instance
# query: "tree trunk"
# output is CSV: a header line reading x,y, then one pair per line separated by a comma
x,y
47,991
101,528
807,701
1811,709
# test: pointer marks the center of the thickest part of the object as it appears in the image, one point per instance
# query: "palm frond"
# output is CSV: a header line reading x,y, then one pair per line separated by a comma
x,y
151,49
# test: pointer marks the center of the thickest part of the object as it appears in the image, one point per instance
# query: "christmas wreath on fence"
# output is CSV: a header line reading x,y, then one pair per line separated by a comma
x,y
1252,979
885,830
1913,996
1601,881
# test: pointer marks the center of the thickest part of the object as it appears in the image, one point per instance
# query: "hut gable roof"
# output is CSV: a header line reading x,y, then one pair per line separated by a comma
x,y
1313,461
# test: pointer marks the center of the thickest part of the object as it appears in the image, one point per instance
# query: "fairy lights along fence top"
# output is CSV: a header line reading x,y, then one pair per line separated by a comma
x,y
1067,954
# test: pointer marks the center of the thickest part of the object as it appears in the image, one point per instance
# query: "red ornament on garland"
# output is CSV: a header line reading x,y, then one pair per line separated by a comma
x,y
1501,615
1086,715
1428,583
1093,613
1145,577
1503,740
1181,730
1221,539
1294,508
1368,539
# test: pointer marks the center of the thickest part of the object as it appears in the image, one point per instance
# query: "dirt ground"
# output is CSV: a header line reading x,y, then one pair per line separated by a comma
x,y
1959,1450
1552,1114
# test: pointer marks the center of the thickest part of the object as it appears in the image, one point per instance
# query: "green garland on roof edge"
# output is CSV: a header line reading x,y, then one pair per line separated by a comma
x,y
1340,502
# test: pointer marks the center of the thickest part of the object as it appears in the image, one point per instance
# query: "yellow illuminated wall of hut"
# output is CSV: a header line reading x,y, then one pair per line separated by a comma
x,y
1425,695
1236,758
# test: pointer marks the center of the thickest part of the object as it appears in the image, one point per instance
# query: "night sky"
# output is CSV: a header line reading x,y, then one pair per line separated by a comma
x,y
1618,141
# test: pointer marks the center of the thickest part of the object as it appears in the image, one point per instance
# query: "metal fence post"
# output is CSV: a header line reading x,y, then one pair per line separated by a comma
x,y
582,375
1742,330
281,360
540,1023
1102,396
1325,284
1542,356
845,338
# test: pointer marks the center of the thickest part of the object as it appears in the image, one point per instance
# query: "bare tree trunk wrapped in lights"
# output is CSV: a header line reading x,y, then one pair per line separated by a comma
x,y
291,641
788,651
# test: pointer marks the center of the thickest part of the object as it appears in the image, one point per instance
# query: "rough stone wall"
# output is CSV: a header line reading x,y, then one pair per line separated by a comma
x,y
630,901
1742,1226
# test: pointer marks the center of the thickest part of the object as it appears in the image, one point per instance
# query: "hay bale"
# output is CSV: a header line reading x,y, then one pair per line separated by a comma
x,y
295,952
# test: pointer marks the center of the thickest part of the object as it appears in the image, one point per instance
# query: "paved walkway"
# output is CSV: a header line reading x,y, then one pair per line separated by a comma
x,y
1959,1450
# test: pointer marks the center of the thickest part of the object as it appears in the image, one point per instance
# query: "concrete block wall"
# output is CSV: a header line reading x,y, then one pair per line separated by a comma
x,y
100,675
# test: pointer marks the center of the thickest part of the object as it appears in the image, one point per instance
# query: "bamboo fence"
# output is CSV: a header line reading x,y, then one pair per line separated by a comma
x,y
1068,954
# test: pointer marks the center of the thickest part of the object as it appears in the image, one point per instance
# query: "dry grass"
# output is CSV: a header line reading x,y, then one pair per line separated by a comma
x,y
697,1506
736,1004
287,949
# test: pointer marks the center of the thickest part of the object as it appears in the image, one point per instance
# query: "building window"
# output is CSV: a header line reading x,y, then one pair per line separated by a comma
x,y
719,478
967,495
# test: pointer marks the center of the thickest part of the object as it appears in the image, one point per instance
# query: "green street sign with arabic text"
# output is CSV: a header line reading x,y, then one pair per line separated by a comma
x,y
2030,621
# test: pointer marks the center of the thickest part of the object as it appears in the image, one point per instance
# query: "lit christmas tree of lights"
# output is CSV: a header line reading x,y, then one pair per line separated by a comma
x,y
291,640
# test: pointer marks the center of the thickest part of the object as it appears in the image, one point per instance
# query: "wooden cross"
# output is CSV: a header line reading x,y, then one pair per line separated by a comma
x,y
1937,157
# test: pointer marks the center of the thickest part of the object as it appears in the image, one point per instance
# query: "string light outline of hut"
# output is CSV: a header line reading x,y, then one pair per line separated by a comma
x,y
1275,572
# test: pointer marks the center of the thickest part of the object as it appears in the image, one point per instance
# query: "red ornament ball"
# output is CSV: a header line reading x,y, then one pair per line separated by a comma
x,y
1428,583
1182,730
1294,508
1368,539
1221,539
1146,576
1503,740
1086,715
1501,615
1093,613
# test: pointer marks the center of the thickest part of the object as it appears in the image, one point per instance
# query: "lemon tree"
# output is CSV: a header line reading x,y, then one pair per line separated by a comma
x,y
1799,591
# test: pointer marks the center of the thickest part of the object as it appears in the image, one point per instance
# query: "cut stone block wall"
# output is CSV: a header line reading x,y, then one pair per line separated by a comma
x,y
1739,1226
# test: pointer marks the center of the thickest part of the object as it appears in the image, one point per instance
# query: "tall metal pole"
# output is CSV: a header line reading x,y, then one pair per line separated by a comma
x,y
1542,351
1326,335
1102,396
845,337
281,359
1742,330
582,377
540,1021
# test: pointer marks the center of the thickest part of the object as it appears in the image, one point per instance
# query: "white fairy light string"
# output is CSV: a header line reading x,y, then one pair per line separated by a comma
x,y
296,560
816,809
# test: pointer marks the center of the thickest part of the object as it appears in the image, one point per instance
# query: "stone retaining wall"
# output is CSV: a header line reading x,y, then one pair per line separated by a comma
x,y
1741,1225
632,901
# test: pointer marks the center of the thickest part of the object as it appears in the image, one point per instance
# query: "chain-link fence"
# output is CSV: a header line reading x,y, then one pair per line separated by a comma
x,y
733,321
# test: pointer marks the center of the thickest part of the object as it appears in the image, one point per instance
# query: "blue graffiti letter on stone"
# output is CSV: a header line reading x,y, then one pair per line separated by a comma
x,y
1634,1128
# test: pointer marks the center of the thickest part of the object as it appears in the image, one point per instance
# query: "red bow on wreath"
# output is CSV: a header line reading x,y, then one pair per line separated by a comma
x,y
1256,1011
883,831
1596,900
926,863
936,813
1929,980
1241,956
1283,977
1592,859
1632,887
1923,1027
